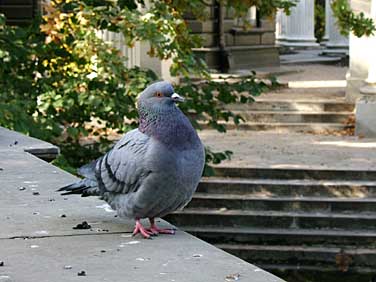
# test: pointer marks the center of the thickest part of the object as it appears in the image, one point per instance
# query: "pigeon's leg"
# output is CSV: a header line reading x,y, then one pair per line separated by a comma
x,y
156,230
140,229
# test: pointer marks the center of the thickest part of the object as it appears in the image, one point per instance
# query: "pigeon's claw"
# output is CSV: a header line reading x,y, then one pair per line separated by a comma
x,y
140,229
154,229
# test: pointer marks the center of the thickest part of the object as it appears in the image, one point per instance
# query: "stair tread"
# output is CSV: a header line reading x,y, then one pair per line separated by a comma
x,y
295,169
321,93
308,124
281,231
323,249
222,196
312,94
318,269
298,112
297,182
316,214
306,105
302,100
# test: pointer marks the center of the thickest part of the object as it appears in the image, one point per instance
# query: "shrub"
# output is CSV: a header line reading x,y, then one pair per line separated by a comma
x,y
63,84
319,21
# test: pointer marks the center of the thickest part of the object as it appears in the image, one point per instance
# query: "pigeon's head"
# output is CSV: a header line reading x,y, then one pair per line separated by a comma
x,y
159,96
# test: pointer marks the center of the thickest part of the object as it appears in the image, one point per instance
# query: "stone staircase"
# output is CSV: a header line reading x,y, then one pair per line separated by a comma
x,y
314,110
300,224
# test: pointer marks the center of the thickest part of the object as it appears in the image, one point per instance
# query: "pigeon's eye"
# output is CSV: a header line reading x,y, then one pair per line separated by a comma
x,y
158,94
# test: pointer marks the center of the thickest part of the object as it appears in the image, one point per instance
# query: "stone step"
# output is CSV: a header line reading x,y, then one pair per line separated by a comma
x,y
275,219
295,117
284,127
280,236
288,187
293,106
294,173
307,90
303,255
306,94
305,61
296,204
304,273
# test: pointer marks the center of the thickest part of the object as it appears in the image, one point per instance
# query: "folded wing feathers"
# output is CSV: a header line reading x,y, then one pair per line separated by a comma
x,y
88,170
119,171
85,187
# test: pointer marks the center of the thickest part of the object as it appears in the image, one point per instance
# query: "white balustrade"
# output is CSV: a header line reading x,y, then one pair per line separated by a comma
x,y
133,54
334,38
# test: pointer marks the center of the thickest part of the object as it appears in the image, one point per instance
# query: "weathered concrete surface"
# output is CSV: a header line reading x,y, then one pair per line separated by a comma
x,y
179,258
32,215
302,151
37,244
11,140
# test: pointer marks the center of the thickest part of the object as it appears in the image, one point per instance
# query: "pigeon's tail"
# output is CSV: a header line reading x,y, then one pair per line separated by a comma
x,y
85,187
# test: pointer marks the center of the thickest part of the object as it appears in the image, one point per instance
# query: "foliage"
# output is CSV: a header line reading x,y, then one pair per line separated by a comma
x,y
319,21
18,103
265,8
73,87
161,23
61,83
206,100
348,21
214,158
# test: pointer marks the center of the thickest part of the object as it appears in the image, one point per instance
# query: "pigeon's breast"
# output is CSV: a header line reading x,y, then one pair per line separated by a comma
x,y
174,178
183,165
190,164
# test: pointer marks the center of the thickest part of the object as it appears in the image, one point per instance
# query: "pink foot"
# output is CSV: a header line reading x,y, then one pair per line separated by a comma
x,y
156,230
140,229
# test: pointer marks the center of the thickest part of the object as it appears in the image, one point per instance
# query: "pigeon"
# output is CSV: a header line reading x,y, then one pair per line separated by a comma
x,y
152,170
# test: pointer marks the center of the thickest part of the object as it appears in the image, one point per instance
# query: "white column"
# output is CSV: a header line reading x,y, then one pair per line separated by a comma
x,y
370,82
280,25
160,67
366,106
299,26
250,18
117,40
335,38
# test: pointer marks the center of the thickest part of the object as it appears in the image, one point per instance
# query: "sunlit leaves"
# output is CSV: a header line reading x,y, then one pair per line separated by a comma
x,y
349,21
60,82
206,100
214,158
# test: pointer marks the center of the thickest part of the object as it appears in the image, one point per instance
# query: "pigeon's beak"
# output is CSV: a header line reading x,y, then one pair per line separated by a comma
x,y
177,98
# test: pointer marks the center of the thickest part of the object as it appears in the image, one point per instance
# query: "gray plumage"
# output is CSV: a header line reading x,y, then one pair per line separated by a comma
x,y
152,170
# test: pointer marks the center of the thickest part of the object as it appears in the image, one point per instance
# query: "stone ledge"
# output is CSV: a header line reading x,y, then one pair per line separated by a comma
x,y
37,243
12,140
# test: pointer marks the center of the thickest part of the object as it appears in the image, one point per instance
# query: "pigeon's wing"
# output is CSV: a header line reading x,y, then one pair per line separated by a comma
x,y
88,170
122,169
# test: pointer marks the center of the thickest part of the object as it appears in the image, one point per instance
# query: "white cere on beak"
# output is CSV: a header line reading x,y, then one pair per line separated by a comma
x,y
177,98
